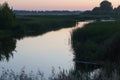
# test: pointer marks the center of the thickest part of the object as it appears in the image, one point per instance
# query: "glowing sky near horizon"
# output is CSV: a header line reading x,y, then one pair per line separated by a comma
x,y
56,4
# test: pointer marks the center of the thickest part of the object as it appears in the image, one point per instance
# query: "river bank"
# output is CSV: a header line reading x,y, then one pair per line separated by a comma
x,y
36,25
97,41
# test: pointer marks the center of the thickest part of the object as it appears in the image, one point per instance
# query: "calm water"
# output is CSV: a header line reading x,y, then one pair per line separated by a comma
x,y
43,52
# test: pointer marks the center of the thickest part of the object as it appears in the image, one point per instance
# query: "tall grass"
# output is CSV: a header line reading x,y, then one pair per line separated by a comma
x,y
96,42
63,75
36,25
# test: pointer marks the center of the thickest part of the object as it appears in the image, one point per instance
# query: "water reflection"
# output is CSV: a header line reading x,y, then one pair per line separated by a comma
x,y
38,51
43,52
7,46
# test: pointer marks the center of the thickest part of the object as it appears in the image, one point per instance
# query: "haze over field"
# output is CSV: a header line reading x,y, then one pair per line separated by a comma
x,y
56,4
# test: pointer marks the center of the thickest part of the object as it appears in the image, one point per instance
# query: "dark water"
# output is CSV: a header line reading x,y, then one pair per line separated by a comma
x,y
43,52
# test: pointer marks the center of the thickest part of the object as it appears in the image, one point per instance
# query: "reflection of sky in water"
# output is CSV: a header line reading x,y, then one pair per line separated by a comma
x,y
43,52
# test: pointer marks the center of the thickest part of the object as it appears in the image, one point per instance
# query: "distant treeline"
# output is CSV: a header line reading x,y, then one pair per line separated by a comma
x,y
26,12
105,9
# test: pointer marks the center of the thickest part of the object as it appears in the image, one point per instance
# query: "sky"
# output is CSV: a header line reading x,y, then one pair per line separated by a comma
x,y
56,4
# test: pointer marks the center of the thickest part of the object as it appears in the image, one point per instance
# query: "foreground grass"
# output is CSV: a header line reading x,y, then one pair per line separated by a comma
x,y
98,41
63,75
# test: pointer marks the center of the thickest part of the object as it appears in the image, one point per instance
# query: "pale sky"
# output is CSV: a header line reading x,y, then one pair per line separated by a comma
x,y
56,4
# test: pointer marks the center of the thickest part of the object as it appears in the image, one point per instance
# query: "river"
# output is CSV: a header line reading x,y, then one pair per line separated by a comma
x,y
44,52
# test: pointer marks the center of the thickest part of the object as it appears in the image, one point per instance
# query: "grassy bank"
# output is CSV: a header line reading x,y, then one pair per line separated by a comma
x,y
98,41
36,25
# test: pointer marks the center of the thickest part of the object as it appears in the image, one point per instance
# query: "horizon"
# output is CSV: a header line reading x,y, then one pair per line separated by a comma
x,y
46,5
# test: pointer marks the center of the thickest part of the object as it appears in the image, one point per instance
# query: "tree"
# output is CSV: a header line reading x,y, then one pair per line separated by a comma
x,y
96,9
7,17
106,6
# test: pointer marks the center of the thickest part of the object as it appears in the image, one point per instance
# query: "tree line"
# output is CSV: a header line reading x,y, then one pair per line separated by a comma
x,y
105,9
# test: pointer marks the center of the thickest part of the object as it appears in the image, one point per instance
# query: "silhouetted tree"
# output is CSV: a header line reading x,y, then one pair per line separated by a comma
x,y
117,12
106,6
117,9
96,9
7,17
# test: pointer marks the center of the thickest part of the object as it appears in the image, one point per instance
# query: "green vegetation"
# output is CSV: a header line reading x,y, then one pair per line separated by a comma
x,y
7,46
22,26
16,27
36,25
63,75
97,42
7,17
29,26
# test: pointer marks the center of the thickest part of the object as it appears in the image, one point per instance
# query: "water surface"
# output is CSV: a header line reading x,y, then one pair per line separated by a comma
x,y
43,52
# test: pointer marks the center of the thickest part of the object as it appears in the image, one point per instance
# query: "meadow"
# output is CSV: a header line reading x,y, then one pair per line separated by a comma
x,y
36,25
